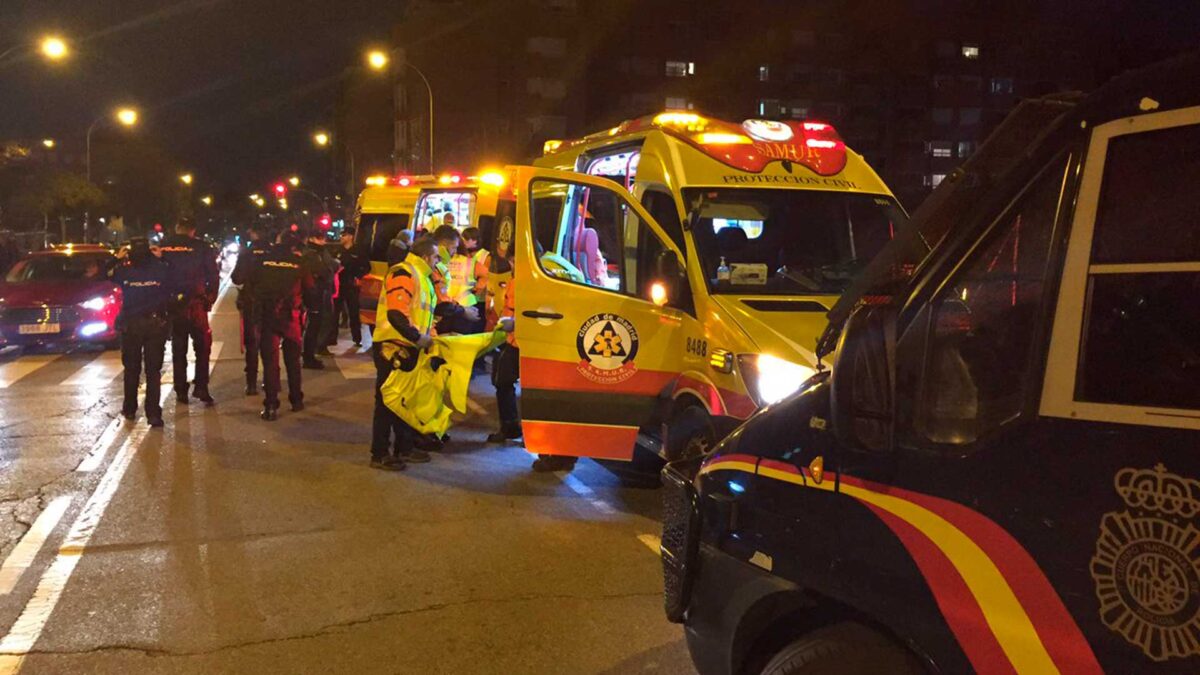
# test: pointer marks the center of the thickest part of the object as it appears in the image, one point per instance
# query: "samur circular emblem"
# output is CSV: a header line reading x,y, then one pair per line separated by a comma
x,y
504,236
607,345
1147,564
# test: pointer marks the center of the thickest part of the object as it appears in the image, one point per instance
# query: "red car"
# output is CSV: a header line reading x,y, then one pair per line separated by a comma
x,y
60,296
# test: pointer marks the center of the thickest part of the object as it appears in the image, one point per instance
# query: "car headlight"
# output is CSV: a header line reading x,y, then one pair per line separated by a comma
x,y
771,379
95,304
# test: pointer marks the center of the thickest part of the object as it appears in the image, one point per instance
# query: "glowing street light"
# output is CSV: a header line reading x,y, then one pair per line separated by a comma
x,y
294,181
255,197
49,143
186,179
54,48
207,200
377,59
127,116
321,138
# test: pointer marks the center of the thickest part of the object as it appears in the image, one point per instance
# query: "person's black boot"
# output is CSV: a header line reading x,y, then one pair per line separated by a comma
x,y
269,414
505,434
181,396
388,464
202,395
314,364
252,386
297,406
129,415
156,421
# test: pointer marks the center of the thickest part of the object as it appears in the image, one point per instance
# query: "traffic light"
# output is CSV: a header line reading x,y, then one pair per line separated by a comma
x,y
280,190
324,221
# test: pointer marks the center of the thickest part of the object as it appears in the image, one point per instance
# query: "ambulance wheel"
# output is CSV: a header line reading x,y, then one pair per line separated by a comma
x,y
842,649
690,433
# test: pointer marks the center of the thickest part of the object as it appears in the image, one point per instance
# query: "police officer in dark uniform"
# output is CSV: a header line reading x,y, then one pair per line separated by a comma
x,y
252,252
281,284
321,266
354,266
194,273
144,323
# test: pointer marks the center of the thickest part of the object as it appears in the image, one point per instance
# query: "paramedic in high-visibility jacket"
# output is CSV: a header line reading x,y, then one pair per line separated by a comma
x,y
403,325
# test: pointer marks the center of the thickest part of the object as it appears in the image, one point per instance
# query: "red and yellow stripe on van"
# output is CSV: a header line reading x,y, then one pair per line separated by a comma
x,y
1003,611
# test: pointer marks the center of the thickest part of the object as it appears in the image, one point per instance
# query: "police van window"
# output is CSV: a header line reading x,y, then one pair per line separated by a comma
x,y
1140,343
982,326
661,207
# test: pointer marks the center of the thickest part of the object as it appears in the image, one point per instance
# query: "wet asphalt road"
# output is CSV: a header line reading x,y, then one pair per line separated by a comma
x,y
226,544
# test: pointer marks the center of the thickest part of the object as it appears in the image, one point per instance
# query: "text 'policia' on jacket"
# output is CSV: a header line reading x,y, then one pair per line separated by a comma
x,y
1000,472
193,265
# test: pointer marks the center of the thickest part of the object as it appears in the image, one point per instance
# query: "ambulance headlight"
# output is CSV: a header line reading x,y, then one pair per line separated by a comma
x,y
771,379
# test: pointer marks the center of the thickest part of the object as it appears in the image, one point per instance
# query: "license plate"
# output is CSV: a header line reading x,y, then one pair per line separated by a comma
x,y
39,328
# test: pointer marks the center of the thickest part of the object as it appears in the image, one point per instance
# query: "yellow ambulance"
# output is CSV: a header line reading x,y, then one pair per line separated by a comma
x,y
383,210
703,257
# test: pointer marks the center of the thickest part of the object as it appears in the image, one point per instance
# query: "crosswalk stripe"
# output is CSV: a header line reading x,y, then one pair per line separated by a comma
x,y
97,372
13,371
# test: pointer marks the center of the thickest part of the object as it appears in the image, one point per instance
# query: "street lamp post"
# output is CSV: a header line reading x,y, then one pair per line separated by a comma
x,y
378,60
125,116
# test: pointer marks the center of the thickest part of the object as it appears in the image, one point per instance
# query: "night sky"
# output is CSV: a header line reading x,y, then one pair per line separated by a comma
x,y
231,88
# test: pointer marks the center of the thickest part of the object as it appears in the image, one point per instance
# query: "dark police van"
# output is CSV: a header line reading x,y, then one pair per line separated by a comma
x,y
1001,470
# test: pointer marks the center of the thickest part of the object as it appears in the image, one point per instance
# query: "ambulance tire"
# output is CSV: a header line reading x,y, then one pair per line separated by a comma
x,y
843,649
690,433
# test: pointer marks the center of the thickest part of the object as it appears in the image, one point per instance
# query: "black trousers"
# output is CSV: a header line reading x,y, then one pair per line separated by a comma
x,y
314,326
144,342
386,427
347,301
250,330
190,322
280,331
506,372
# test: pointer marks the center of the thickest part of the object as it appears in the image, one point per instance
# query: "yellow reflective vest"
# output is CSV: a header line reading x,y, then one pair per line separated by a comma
x,y
411,293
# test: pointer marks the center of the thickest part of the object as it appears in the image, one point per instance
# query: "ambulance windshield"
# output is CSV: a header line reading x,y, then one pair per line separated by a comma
x,y
787,242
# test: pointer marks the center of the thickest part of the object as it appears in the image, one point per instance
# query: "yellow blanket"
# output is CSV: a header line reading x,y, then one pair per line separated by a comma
x,y
430,393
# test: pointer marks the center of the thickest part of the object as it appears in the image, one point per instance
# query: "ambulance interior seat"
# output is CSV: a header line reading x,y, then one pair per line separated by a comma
x,y
588,258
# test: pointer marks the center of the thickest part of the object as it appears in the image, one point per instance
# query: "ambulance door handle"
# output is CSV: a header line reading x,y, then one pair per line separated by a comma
x,y
534,314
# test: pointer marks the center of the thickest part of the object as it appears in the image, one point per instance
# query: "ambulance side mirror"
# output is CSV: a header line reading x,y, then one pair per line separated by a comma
x,y
862,385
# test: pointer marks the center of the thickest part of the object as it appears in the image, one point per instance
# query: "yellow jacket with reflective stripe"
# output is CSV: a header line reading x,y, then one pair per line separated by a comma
x,y
411,293
461,270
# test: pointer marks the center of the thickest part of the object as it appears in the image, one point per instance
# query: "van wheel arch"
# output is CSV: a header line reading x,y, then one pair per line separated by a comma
x,y
778,621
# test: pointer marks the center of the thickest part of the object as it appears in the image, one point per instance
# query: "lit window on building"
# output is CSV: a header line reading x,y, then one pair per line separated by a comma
x,y
934,179
764,73
1002,85
969,116
970,51
680,68
965,149
769,107
940,148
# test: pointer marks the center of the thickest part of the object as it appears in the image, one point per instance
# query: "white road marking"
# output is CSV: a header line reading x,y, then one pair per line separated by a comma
x,y
586,492
652,542
24,634
96,373
27,549
99,451
13,371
